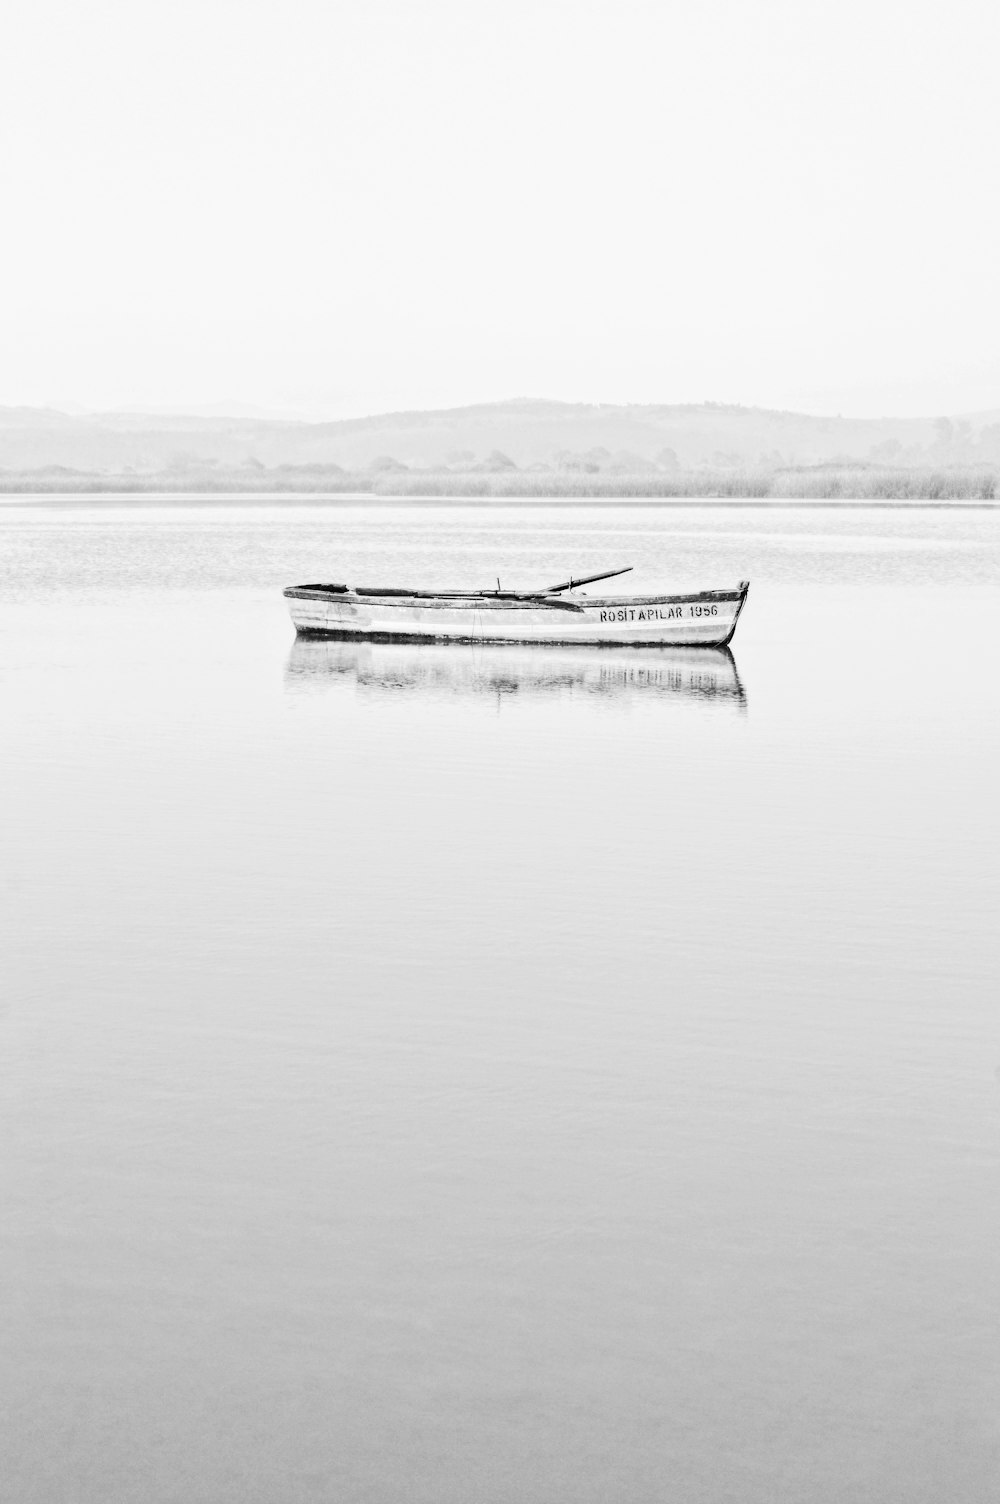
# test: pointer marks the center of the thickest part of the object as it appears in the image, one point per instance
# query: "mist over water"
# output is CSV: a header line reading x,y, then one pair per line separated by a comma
x,y
437,1074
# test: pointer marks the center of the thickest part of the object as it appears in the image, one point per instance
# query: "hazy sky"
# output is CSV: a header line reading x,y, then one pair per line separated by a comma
x,y
347,206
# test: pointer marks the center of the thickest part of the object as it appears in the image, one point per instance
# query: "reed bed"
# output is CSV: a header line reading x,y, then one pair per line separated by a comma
x,y
820,483
888,485
518,484
825,484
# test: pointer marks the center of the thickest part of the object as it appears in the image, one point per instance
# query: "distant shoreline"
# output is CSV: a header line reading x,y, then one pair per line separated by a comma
x,y
78,500
812,485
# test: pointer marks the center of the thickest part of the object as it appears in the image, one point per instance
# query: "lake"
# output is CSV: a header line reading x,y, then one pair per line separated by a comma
x,y
450,1074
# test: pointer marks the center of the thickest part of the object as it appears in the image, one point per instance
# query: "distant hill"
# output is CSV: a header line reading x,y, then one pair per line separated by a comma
x,y
524,434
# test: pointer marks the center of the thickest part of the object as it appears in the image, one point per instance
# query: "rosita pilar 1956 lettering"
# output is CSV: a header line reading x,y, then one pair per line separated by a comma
x,y
656,613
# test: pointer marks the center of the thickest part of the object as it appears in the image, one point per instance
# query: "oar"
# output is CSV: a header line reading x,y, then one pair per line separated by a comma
x,y
589,580
503,595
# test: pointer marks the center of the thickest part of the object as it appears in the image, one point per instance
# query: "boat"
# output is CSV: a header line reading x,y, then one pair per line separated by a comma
x,y
703,676
560,613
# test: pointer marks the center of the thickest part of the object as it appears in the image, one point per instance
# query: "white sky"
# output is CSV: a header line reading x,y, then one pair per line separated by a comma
x,y
348,206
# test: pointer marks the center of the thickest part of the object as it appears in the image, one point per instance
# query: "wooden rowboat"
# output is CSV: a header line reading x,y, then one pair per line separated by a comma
x,y
555,614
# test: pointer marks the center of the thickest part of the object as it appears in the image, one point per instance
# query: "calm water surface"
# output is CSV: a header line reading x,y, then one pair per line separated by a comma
x,y
446,1075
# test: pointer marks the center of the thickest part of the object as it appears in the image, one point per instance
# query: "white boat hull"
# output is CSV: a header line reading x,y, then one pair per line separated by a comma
x,y
706,619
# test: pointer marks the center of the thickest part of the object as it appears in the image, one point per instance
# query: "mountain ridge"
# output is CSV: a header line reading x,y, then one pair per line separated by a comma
x,y
520,433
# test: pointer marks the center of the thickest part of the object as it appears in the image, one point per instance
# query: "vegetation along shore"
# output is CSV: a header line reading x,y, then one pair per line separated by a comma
x,y
817,483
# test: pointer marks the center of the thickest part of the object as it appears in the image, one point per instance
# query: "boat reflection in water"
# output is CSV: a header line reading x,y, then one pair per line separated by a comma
x,y
705,675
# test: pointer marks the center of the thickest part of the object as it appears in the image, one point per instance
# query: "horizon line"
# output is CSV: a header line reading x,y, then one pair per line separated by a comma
x,y
261,413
